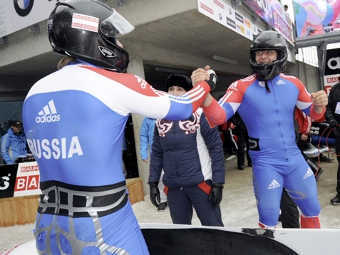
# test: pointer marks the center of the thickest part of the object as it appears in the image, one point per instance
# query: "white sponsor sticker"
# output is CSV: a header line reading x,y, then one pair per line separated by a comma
x,y
85,22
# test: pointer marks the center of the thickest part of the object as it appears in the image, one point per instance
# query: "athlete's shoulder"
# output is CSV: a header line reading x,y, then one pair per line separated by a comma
x,y
292,79
130,81
41,85
112,75
242,84
248,80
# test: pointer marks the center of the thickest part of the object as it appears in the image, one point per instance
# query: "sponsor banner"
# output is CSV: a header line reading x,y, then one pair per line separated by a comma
x,y
206,7
332,69
316,17
8,175
225,14
27,179
332,62
19,14
272,12
231,19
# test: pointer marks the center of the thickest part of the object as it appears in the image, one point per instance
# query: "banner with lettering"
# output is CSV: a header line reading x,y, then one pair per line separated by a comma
x,y
18,14
332,69
21,179
226,15
272,12
27,181
8,175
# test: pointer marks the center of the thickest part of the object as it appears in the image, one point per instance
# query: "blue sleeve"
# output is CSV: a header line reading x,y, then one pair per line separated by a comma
x,y
5,144
179,111
156,161
214,145
143,139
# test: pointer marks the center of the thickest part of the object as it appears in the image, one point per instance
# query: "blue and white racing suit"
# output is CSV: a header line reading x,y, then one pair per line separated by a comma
x,y
277,161
74,122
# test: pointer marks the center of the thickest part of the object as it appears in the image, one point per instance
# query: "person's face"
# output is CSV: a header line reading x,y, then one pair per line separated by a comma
x,y
265,56
176,91
16,129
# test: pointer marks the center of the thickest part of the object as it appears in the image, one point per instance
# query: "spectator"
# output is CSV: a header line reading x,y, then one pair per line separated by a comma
x,y
240,131
333,118
191,154
146,137
228,140
13,143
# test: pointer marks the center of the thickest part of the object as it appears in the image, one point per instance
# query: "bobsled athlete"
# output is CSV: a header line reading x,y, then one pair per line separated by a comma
x,y
74,121
266,102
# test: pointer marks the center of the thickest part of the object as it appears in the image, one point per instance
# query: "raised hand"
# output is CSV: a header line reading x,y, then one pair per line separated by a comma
x,y
319,100
204,74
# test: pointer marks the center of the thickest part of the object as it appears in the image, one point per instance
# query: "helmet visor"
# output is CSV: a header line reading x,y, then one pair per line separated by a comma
x,y
115,26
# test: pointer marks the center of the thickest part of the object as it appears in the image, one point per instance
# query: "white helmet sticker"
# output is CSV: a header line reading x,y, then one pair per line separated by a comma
x,y
85,22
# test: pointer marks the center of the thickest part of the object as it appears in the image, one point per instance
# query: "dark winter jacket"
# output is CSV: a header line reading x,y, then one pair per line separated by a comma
x,y
189,151
332,113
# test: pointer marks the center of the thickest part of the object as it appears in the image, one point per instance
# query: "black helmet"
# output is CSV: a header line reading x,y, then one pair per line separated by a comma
x,y
87,30
268,40
180,80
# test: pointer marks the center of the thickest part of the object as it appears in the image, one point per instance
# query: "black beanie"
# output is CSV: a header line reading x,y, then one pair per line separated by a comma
x,y
180,80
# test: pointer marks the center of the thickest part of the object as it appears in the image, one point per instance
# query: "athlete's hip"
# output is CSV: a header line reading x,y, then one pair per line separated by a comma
x,y
81,201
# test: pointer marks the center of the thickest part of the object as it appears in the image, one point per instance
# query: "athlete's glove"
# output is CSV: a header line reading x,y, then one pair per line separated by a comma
x,y
333,123
212,79
215,195
155,196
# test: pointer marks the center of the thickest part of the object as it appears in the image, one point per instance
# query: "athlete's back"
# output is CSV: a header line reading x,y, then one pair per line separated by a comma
x,y
74,121
74,126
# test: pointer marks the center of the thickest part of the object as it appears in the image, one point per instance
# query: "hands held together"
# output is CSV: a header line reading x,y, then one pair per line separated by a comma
x,y
204,74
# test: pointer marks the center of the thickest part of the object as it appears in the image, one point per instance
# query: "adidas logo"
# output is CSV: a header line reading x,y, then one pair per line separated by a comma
x,y
274,184
48,114
308,173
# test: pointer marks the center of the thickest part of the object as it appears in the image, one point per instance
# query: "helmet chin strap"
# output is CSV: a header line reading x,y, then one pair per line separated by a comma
x,y
273,72
267,87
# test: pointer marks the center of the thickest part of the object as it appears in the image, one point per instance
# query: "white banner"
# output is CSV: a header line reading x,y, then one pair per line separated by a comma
x,y
28,180
19,14
225,14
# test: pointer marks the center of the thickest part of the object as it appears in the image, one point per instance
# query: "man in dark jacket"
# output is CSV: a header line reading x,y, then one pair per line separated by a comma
x,y
191,154
13,143
333,118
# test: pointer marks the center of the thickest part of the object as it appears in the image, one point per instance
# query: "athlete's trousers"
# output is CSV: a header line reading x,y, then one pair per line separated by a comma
x,y
294,174
289,216
116,233
182,200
